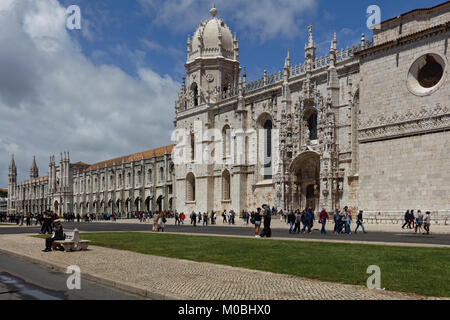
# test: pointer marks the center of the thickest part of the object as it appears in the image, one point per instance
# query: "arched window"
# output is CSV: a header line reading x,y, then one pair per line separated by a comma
x,y
120,180
103,183
268,149
226,185
149,176
139,177
190,187
161,174
192,147
129,178
312,126
194,89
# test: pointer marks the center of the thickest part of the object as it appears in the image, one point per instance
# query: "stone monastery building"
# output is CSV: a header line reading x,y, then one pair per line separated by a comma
x,y
366,126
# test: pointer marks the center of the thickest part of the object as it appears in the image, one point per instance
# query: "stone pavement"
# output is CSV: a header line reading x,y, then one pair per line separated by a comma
x,y
167,278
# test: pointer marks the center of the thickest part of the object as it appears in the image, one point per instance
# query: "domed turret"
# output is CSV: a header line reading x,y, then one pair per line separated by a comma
x,y
213,38
212,66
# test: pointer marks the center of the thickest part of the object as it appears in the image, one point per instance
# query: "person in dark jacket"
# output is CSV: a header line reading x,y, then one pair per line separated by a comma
x,y
309,219
58,235
407,219
291,221
359,222
298,220
267,232
304,221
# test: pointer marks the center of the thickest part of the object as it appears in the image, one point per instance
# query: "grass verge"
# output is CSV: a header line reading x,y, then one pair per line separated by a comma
x,y
424,271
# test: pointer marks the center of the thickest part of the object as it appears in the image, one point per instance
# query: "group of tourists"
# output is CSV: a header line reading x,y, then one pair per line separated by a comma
x,y
303,221
417,222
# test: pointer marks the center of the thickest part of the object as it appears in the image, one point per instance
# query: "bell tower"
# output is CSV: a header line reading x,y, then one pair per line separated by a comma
x,y
12,185
212,65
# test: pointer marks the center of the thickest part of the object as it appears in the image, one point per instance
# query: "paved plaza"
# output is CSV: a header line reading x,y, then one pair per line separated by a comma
x,y
167,278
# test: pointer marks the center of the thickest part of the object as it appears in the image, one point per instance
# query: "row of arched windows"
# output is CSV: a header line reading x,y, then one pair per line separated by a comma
x,y
190,187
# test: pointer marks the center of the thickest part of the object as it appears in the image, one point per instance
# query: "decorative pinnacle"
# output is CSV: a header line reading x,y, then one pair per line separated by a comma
x,y
310,36
287,62
334,42
213,10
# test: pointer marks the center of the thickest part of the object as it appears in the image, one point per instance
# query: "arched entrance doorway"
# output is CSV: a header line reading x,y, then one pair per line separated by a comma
x,y
305,182
56,207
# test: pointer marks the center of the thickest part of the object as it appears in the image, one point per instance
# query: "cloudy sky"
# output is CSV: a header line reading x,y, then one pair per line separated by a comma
x,y
109,89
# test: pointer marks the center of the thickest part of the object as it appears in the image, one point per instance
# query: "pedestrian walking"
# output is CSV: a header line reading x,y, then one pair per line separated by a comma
x,y
360,222
419,222
267,232
224,216
205,219
309,219
156,217
336,221
427,222
323,217
298,220
291,221
304,221
406,218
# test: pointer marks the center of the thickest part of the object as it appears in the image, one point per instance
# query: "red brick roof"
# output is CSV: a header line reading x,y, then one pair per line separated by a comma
x,y
159,152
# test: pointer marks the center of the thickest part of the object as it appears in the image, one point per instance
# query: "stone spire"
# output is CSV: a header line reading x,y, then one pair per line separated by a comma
x,y
333,78
310,50
333,51
287,61
34,172
12,164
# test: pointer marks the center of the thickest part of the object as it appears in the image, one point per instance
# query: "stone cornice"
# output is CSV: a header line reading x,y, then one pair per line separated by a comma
x,y
396,126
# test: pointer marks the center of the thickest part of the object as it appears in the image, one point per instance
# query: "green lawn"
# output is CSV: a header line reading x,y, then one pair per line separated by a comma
x,y
424,271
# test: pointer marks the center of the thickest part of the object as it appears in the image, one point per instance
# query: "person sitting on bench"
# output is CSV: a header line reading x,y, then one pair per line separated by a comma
x,y
57,235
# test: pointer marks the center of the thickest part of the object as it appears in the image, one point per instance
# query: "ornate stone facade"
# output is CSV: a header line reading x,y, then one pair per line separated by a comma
x,y
138,182
329,119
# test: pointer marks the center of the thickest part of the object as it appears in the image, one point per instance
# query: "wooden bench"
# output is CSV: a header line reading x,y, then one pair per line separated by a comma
x,y
72,242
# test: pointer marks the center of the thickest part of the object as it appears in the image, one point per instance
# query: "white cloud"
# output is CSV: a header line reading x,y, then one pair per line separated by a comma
x,y
53,98
267,19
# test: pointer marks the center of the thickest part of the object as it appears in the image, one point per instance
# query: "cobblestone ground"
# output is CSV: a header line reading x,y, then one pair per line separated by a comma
x,y
192,280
